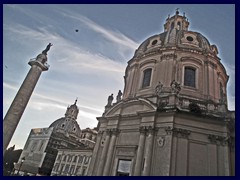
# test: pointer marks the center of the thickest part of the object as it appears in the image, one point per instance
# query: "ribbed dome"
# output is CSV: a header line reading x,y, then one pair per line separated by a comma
x,y
66,125
176,36
180,39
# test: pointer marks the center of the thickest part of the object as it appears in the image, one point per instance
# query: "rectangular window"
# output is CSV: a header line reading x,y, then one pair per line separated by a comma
x,y
124,167
80,159
69,158
190,77
83,171
146,77
59,157
61,169
72,169
75,159
64,158
56,167
66,168
77,169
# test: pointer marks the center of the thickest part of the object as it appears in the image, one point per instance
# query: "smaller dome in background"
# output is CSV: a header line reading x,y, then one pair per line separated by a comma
x,y
68,124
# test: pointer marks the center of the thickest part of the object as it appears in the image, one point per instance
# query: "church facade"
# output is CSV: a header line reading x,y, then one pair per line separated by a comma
x,y
173,118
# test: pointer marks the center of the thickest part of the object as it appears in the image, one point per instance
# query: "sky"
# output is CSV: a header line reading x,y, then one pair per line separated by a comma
x,y
90,64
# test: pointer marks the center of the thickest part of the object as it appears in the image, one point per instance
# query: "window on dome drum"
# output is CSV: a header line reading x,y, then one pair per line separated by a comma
x,y
189,77
178,25
154,42
189,38
146,77
221,91
172,25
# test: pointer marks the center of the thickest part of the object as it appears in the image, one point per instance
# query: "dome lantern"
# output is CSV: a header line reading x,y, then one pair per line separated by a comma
x,y
72,111
176,22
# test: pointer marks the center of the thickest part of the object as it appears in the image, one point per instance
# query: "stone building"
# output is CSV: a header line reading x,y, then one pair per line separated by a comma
x,y
42,145
173,118
88,137
72,162
76,161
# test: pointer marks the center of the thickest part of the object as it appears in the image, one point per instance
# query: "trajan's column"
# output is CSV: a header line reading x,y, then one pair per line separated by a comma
x,y
19,103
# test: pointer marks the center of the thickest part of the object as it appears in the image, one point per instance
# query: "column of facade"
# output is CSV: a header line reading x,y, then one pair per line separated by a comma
x,y
138,166
148,152
95,153
114,133
103,155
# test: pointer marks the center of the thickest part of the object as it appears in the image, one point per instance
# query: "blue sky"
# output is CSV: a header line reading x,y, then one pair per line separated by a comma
x,y
90,64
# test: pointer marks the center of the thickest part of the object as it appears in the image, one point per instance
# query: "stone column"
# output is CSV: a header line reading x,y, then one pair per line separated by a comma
x,y
103,155
138,166
110,152
20,101
148,153
92,165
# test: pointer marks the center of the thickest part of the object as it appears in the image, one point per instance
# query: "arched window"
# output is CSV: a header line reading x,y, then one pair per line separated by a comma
x,y
41,145
190,77
221,91
172,25
80,159
178,25
146,77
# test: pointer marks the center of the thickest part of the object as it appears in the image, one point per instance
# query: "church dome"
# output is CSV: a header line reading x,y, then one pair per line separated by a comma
x,y
65,125
68,124
177,61
181,39
176,35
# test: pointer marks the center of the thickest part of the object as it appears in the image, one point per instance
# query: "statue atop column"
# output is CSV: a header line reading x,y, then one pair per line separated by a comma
x,y
43,56
47,49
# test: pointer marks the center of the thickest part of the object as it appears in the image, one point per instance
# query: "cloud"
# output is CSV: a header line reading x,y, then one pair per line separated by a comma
x,y
231,102
42,102
115,37
66,53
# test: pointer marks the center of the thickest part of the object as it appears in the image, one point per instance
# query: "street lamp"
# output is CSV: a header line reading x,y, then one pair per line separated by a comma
x,y
22,160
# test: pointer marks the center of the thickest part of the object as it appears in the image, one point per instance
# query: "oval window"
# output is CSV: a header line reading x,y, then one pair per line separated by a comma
x,y
154,42
189,38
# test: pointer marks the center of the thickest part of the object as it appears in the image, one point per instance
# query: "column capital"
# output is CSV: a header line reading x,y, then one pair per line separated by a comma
x,y
178,132
147,130
112,131
151,130
115,131
100,132
143,129
221,140
108,132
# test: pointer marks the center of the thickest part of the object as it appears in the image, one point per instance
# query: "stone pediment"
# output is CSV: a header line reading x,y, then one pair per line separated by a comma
x,y
132,106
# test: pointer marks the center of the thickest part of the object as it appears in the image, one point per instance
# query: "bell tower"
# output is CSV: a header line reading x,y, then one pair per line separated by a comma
x,y
20,101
